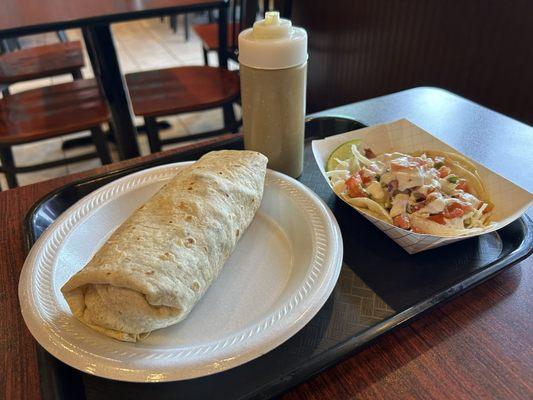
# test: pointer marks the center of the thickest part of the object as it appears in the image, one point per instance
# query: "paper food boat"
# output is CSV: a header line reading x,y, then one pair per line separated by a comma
x,y
510,201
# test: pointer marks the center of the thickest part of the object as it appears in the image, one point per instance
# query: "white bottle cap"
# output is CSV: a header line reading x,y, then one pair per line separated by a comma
x,y
273,43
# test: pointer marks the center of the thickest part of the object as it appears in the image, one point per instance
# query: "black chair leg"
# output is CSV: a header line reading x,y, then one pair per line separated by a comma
x,y
206,59
62,36
13,44
152,131
229,118
186,26
100,143
8,166
76,75
174,23
5,91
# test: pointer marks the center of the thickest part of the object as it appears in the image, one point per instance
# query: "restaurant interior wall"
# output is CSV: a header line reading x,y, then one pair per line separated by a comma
x,y
360,49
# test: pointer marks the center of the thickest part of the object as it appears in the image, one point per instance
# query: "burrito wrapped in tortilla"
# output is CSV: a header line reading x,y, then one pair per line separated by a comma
x,y
157,265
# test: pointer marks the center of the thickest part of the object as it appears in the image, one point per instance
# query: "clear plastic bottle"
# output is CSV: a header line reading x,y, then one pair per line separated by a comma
x,y
273,69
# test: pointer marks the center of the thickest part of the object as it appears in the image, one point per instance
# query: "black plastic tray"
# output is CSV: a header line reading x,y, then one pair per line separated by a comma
x,y
380,287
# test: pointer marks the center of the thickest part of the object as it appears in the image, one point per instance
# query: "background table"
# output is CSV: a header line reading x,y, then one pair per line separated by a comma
x,y
22,17
476,346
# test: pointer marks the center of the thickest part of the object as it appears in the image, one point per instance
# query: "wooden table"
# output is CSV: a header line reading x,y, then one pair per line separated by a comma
x,y
476,346
22,17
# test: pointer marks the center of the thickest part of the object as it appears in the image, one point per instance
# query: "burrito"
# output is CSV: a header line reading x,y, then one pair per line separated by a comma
x,y
157,265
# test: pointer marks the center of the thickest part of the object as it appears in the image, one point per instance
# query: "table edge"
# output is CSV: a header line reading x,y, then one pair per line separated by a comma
x,y
107,19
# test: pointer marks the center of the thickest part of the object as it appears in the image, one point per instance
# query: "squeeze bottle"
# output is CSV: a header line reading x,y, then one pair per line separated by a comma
x,y
273,69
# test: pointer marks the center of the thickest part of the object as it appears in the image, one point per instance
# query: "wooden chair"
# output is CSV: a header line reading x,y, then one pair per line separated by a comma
x,y
49,112
179,90
12,44
242,13
41,61
185,89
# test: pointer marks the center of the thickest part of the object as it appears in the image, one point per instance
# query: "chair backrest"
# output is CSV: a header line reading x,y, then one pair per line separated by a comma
x,y
242,14
12,44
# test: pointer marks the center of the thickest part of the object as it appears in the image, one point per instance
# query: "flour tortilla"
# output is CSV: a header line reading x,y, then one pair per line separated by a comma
x,y
434,228
368,206
463,168
157,265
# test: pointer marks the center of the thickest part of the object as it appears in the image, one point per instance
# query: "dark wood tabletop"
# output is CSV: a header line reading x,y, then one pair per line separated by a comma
x,y
475,346
21,17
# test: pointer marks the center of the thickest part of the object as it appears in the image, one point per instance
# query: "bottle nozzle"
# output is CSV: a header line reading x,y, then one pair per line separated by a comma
x,y
272,27
272,18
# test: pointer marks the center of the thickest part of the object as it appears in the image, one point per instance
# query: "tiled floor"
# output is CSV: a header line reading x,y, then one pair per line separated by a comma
x,y
141,45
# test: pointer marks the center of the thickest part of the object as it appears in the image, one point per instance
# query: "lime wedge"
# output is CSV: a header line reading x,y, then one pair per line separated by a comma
x,y
343,152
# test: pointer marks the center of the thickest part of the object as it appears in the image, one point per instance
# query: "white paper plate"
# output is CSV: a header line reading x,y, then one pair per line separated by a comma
x,y
279,276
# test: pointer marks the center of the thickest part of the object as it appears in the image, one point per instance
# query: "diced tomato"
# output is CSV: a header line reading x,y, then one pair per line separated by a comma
x,y
366,177
454,213
405,164
417,206
456,209
438,218
444,171
462,185
401,221
355,186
